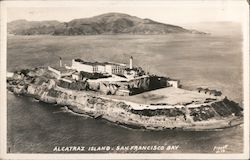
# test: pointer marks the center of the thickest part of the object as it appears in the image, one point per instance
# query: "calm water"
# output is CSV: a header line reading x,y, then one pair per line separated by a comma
x,y
38,127
213,61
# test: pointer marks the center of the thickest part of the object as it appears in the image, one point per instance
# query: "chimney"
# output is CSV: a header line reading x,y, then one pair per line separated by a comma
x,y
131,63
60,61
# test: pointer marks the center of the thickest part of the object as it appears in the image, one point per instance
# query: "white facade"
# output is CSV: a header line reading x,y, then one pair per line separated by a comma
x,y
116,69
67,80
174,83
82,67
111,68
123,92
60,72
108,69
75,76
101,69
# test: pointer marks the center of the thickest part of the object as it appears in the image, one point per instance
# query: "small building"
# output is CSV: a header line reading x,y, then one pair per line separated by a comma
x,y
123,92
209,91
76,76
60,71
214,92
173,83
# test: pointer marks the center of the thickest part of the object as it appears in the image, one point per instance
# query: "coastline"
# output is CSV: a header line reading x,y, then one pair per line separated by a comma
x,y
118,112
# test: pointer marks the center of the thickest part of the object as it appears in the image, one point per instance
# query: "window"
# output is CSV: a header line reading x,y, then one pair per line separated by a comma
x,y
95,69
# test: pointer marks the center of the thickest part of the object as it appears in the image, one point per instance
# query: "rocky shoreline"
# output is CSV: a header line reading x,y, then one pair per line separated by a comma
x,y
215,115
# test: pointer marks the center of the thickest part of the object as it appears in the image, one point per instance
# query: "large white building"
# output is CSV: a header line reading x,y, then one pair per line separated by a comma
x,y
98,67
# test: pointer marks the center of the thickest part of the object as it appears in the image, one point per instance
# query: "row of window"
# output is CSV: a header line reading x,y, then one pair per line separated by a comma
x,y
117,69
95,69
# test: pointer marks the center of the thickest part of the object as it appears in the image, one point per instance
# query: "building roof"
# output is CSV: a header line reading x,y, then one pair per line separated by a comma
x,y
98,63
173,80
75,73
67,78
114,78
61,69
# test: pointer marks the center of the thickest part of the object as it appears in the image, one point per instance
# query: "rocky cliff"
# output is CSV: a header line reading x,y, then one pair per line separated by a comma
x,y
218,114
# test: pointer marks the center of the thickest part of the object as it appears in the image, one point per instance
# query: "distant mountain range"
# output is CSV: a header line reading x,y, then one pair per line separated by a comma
x,y
109,23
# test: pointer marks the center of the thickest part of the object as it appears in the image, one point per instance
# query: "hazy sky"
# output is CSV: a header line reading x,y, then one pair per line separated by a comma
x,y
181,12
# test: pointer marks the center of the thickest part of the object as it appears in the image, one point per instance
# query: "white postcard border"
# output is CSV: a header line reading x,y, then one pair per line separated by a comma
x,y
3,110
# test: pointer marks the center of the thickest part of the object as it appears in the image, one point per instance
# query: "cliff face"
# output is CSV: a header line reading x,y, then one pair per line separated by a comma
x,y
216,110
79,85
224,113
135,86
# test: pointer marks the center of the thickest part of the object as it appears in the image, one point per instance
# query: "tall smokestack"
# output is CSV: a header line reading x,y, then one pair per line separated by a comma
x,y
60,61
131,63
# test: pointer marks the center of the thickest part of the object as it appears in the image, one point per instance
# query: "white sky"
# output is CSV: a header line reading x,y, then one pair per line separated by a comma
x,y
172,12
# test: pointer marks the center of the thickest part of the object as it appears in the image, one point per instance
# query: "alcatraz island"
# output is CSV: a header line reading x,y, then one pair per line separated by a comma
x,y
125,94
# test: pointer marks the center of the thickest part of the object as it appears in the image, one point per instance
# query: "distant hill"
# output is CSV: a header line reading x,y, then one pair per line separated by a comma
x,y
110,23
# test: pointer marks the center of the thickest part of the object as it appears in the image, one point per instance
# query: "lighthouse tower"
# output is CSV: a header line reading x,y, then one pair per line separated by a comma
x,y
131,63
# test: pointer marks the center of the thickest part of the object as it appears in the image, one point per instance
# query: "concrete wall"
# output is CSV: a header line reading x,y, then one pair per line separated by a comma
x,y
118,69
174,83
54,70
108,68
114,69
122,92
66,80
101,69
82,67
